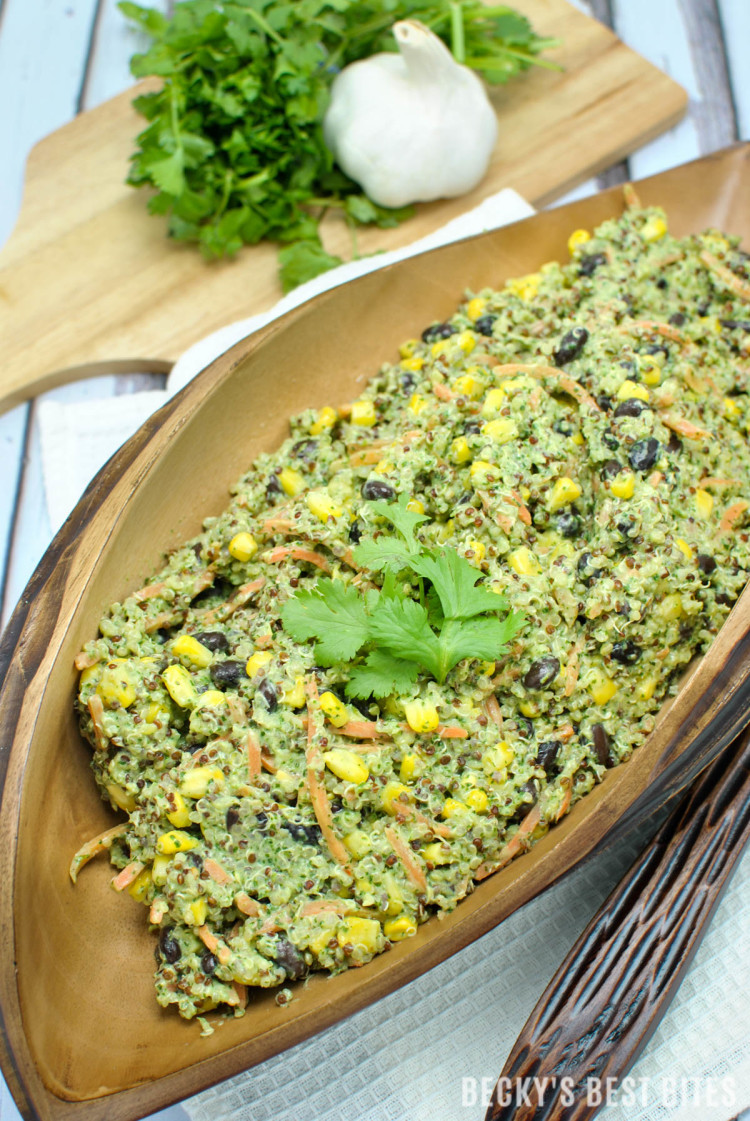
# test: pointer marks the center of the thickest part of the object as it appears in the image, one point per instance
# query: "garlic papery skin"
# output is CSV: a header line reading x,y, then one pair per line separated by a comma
x,y
413,126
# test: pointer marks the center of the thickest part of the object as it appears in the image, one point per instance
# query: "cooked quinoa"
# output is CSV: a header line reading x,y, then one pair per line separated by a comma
x,y
580,437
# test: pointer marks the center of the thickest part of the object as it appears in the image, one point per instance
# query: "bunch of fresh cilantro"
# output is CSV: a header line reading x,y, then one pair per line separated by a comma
x,y
234,145
430,613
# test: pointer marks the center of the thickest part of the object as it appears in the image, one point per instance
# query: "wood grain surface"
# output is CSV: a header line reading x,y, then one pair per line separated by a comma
x,y
607,997
88,278
120,1054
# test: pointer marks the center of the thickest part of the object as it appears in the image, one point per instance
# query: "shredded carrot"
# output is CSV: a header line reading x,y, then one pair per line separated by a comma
x,y
208,939
685,428
129,873
523,511
712,482
156,913
202,581
731,515
571,670
267,762
95,706
362,457
309,555
325,907
253,754
100,843
452,732
513,847
565,733
414,873
150,591
246,905
263,641
565,804
436,826
269,926
730,279
651,327
275,525
163,619
360,730
318,796
630,195
85,661
442,392
655,478
239,599
241,991
568,384
216,872
492,708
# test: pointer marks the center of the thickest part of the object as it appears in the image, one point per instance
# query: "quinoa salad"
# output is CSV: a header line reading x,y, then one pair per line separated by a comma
x,y
431,621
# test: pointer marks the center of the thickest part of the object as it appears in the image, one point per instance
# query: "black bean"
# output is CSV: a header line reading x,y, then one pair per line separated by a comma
x,y
227,675
547,753
233,816
525,727
465,499
706,563
273,486
195,858
530,790
587,573
305,449
590,262
485,324
627,364
604,402
610,440
568,525
631,406
408,382
662,283
736,324
723,598
375,488
169,946
288,956
563,427
437,331
644,454
268,692
601,745
355,532
214,641
541,672
626,652
675,444
657,348
208,963
571,345
471,427
610,469
624,608
306,834
626,526
261,821
676,319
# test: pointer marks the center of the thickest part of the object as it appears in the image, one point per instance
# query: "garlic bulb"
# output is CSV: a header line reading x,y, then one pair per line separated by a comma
x,y
413,126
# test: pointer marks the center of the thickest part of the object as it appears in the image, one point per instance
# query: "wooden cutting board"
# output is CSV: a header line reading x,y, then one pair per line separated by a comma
x,y
89,284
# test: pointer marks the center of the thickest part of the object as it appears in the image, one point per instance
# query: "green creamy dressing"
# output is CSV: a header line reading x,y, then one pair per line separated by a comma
x,y
601,486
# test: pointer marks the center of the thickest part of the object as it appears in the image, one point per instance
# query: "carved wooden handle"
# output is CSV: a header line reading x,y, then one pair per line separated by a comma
x,y
615,984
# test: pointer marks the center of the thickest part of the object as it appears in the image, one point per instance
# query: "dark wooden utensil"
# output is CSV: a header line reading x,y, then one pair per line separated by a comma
x,y
609,994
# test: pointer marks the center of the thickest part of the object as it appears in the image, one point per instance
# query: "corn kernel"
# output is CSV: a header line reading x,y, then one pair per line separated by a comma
x,y
291,481
322,506
396,930
684,548
475,307
319,942
623,485
530,709
465,341
140,885
116,685
287,782
155,711
421,716
564,492
650,370
523,562
363,414
257,661
446,531
478,549
602,689
159,869
413,365
479,471
411,767
646,689
325,420
670,608
395,898
460,450
363,933
653,229
91,675
417,404
436,853
704,502
493,402
525,287
195,913
452,808
576,240
383,466
179,686
121,797
578,439
500,431
194,651
415,506
442,346
487,668
468,385
197,781
295,697
498,757
180,815
357,843
175,841
731,409
392,797
407,348
211,698
243,546
335,710
477,801
630,389
346,765
509,385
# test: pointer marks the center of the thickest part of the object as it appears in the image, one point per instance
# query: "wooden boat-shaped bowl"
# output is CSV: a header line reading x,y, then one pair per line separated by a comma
x,y
82,1036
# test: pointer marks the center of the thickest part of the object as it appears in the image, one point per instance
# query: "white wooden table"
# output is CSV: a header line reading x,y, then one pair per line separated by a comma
x,y
60,57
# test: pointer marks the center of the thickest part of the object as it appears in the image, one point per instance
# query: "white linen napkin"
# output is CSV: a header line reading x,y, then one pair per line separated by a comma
x,y
78,437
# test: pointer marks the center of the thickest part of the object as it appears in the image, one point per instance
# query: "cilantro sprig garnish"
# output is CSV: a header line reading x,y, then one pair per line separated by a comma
x,y
431,612
234,146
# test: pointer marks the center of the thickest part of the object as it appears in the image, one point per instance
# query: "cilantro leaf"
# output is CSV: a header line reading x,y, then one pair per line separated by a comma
x,y
382,554
476,638
334,614
405,521
402,627
301,261
380,675
454,581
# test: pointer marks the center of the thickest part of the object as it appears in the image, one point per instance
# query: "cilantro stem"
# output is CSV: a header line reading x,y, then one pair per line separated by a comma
x,y
458,43
482,62
264,25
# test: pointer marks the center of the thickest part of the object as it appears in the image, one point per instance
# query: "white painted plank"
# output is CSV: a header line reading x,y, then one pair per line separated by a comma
x,y
43,49
115,40
735,20
12,431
